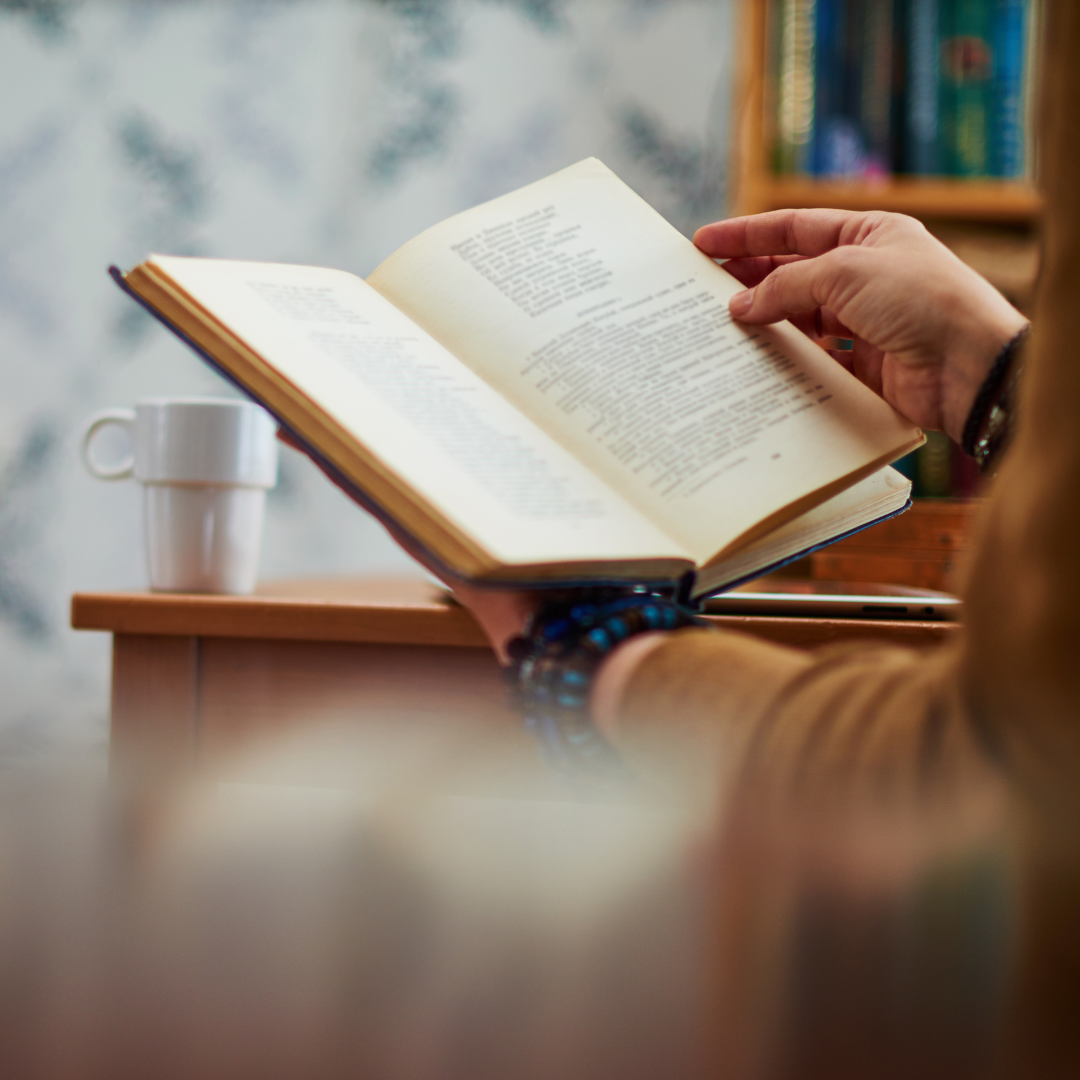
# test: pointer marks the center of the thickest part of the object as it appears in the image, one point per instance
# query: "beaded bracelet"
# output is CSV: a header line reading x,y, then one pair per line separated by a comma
x,y
991,421
555,663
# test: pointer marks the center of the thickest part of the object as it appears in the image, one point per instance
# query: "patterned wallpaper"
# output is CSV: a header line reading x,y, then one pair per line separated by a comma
x,y
324,131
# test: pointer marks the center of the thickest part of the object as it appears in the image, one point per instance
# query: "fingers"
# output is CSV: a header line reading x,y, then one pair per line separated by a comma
x,y
867,365
809,323
502,613
830,326
752,271
755,269
780,232
844,358
820,323
864,362
789,291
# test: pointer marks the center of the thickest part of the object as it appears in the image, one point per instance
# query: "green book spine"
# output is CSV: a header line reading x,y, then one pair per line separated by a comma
x,y
934,467
967,63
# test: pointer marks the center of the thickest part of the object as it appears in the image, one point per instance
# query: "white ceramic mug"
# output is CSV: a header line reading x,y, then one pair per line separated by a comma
x,y
205,465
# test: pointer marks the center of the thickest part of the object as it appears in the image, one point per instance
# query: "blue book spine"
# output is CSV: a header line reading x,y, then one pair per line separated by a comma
x,y
1007,143
922,143
839,147
828,72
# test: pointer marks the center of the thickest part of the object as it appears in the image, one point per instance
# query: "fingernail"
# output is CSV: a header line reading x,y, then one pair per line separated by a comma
x,y
741,303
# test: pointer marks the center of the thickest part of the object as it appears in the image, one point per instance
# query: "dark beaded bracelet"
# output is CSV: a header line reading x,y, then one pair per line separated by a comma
x,y
991,421
555,662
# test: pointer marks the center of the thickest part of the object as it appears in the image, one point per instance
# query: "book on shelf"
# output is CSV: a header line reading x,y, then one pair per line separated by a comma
x,y
854,88
922,151
549,388
1008,153
967,91
794,43
865,89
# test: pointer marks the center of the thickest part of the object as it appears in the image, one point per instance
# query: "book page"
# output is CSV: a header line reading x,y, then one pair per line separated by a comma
x,y
879,495
597,319
429,419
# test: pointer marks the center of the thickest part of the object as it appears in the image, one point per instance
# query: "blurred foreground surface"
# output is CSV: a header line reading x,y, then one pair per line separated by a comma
x,y
410,901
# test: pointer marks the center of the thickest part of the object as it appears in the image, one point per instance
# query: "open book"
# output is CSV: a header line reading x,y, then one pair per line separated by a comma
x,y
549,388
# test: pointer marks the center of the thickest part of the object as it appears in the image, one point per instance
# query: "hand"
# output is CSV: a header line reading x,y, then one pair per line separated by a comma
x,y
503,614
926,327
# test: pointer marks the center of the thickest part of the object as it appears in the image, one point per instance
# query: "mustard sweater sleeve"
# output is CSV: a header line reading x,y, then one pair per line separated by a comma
x,y
888,715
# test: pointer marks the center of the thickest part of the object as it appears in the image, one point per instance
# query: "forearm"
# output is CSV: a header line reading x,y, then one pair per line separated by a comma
x,y
696,707
694,694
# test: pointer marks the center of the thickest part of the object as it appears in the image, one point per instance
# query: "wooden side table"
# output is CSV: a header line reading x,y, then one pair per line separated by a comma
x,y
197,676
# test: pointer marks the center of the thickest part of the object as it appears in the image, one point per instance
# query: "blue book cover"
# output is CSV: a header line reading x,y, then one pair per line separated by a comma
x,y
1007,140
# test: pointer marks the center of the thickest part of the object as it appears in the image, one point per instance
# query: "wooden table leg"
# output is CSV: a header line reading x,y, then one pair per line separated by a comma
x,y
155,702
179,703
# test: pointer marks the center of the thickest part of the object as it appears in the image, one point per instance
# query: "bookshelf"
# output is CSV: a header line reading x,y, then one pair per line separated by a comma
x,y
990,224
954,200
758,189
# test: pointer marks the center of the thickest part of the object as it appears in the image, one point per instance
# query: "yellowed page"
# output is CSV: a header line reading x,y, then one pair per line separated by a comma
x,y
598,320
428,418
883,493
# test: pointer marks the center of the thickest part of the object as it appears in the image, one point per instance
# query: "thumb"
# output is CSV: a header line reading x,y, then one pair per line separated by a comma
x,y
793,289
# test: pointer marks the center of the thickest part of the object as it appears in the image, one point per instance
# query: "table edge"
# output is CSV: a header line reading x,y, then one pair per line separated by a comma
x,y
276,619
285,619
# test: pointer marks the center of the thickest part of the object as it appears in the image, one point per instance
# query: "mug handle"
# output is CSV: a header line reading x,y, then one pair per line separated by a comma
x,y
124,468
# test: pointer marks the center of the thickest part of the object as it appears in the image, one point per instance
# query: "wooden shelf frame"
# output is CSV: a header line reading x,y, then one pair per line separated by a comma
x,y
758,189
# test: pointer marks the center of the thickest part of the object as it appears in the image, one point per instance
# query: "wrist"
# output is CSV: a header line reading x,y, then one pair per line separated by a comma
x,y
556,663
990,423
972,351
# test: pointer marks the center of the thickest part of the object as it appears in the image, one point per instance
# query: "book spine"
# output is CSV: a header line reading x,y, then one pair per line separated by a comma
x,y
934,467
851,152
967,76
826,80
899,86
1032,52
839,146
781,69
1007,157
875,97
922,147
795,85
